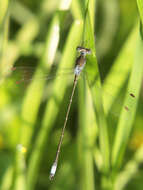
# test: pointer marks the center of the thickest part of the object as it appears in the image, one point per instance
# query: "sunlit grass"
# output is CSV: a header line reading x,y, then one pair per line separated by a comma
x,y
95,153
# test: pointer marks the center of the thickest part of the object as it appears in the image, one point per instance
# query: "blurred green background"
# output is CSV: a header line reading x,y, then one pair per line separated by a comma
x,y
39,38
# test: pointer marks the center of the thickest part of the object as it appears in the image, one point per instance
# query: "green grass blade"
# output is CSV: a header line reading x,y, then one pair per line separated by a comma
x,y
86,132
86,136
4,30
76,9
21,13
19,178
119,71
35,89
130,171
140,7
3,10
93,76
126,119
7,179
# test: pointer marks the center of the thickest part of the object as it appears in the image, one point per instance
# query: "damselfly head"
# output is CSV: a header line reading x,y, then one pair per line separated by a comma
x,y
83,50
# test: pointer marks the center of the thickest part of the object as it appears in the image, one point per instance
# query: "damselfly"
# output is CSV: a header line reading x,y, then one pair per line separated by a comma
x,y
79,66
80,63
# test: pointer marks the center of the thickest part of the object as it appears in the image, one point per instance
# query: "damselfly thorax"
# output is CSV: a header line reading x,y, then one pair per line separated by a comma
x,y
81,60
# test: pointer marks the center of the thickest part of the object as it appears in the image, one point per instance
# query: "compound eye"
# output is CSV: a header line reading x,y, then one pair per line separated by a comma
x,y
88,51
83,50
79,49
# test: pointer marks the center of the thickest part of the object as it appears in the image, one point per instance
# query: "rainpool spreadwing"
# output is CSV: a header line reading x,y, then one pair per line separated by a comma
x,y
79,66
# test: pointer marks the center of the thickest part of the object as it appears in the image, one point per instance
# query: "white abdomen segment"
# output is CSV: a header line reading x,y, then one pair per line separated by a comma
x,y
78,69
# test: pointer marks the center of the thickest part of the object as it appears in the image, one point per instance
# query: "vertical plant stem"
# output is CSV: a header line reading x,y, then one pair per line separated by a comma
x,y
86,136
126,119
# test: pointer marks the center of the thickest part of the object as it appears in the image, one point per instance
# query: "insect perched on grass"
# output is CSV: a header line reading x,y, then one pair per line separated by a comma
x,y
79,66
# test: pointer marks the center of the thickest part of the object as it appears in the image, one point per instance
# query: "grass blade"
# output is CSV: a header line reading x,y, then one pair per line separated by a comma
x,y
4,30
35,89
86,136
120,70
19,177
93,76
126,119
140,7
131,169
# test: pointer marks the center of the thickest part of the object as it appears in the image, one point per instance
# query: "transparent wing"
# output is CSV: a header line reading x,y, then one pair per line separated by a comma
x,y
23,75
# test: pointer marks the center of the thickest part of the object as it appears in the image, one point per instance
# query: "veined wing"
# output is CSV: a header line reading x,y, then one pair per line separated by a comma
x,y
25,74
